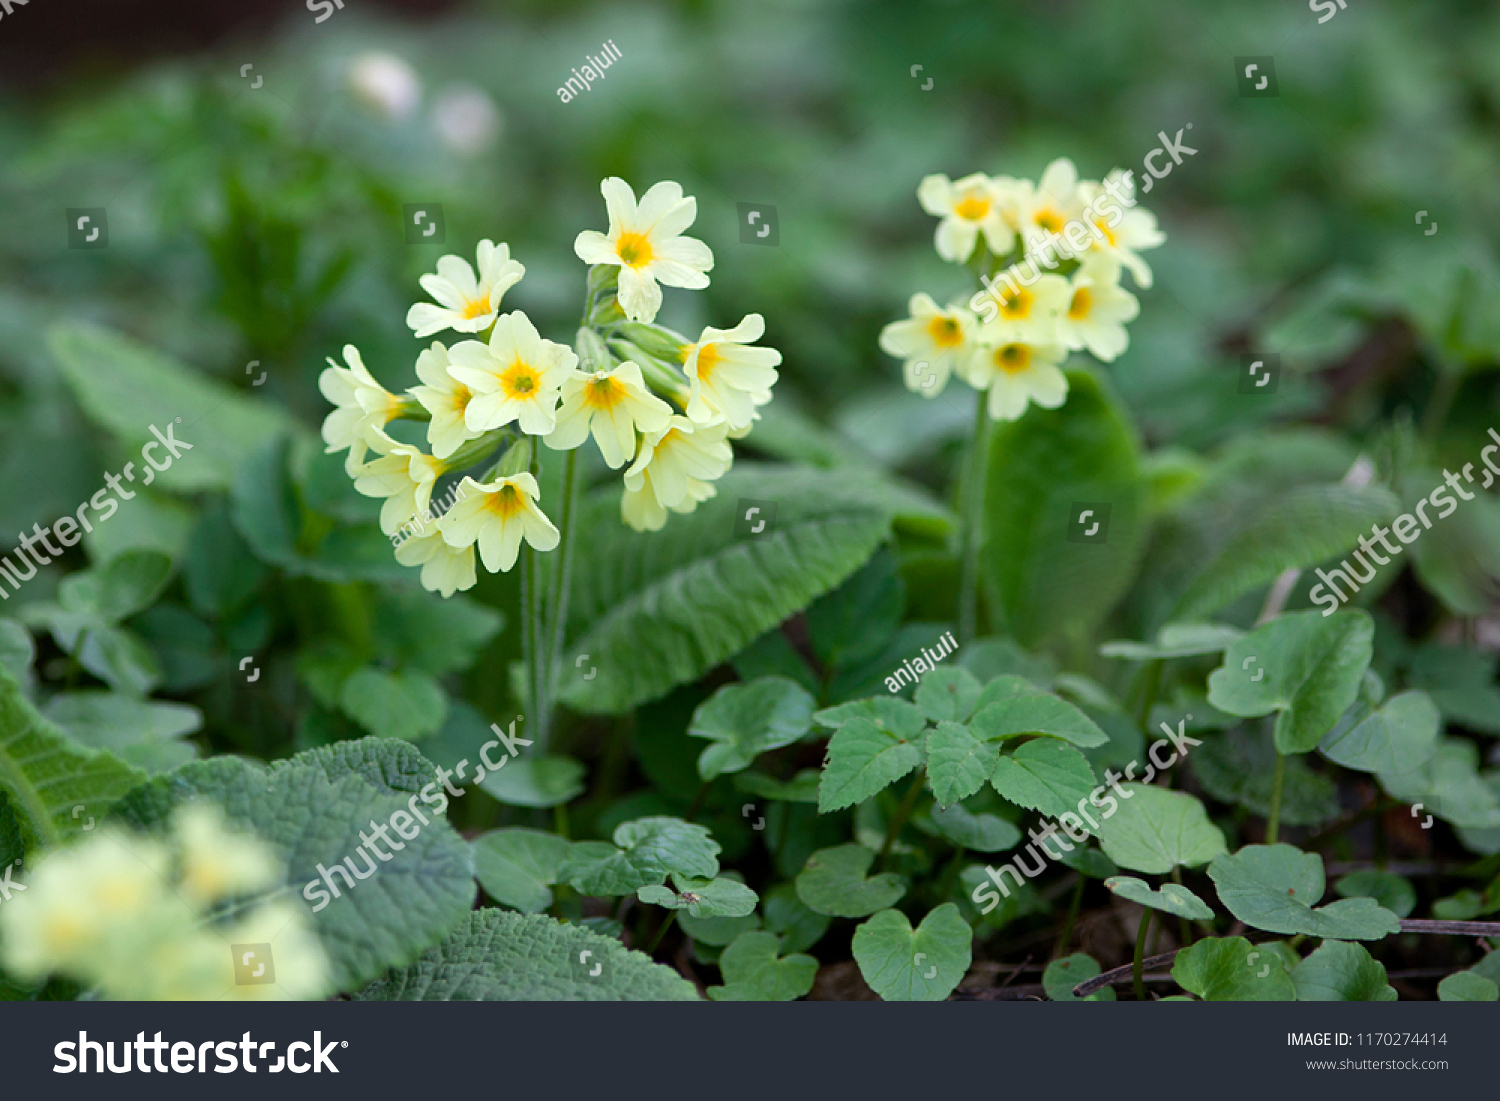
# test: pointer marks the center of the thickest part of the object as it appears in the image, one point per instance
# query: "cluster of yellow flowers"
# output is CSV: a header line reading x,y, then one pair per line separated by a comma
x,y
480,396
140,919
1011,338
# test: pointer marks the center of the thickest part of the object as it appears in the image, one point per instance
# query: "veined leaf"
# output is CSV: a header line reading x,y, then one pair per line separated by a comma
x,y
746,720
833,882
1155,830
518,866
958,762
753,971
1400,736
862,761
1171,899
1231,969
924,964
1037,713
1274,887
1341,972
1044,775
703,898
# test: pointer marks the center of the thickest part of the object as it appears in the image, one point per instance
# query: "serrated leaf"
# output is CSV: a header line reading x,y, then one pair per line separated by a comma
x,y
958,763
985,833
1402,735
948,694
46,773
409,705
1044,775
644,853
1274,887
862,761
1304,666
833,882
1176,640
659,610
518,866
1171,899
1341,972
1061,976
753,972
1155,830
312,808
1296,529
1231,969
904,720
498,956
1037,713
1466,986
703,898
1394,892
903,964
746,720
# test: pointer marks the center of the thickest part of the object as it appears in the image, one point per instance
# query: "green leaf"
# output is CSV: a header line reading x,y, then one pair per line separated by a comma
x,y
536,781
1466,986
925,964
1171,899
126,387
1156,830
1296,529
862,761
853,623
1061,976
17,651
787,915
1040,583
128,583
1401,736
746,720
1309,668
904,720
801,788
1239,766
644,853
1177,640
141,733
704,898
659,610
498,956
958,763
717,932
1044,775
1037,713
47,774
753,972
313,808
422,630
518,866
1449,785
1274,887
1341,972
408,705
833,882
1393,892
948,694
983,833
1230,969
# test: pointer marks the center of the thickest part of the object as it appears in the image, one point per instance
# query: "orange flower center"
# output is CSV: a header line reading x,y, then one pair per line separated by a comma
x,y
1013,358
945,332
520,381
633,249
972,208
476,308
1017,306
1049,219
1109,234
507,502
603,392
708,359
1082,302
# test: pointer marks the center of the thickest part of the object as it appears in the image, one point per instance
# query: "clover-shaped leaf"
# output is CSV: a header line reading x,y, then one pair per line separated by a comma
x,y
754,973
746,720
1045,775
1341,972
1155,830
645,852
903,964
1061,976
1171,899
1399,737
1036,713
1231,969
863,760
958,762
833,882
1274,887
1304,666
948,694
703,898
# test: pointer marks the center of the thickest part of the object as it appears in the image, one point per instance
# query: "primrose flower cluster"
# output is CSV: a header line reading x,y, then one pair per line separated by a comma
x,y
651,398
1050,255
140,918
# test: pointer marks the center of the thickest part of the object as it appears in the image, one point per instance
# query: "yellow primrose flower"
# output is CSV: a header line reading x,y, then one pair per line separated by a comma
x,y
729,379
1025,313
466,304
515,377
673,469
645,241
1016,374
497,516
217,863
1134,228
302,970
445,569
1097,309
613,404
362,404
403,475
445,398
931,342
973,205
1048,206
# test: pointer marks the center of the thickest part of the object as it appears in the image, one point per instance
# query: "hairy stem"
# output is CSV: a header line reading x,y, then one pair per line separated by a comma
x,y
973,505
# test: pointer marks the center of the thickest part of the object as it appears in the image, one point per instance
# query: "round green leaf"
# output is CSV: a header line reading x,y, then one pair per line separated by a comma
x,y
518,866
1061,976
984,833
1399,737
536,781
1466,986
921,965
1274,887
1231,969
1155,830
1394,892
704,898
746,720
833,882
408,704
1341,972
753,972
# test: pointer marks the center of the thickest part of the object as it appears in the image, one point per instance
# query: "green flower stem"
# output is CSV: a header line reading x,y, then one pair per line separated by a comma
x,y
1074,906
1184,927
1273,820
661,931
533,601
557,606
1140,955
973,506
903,812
